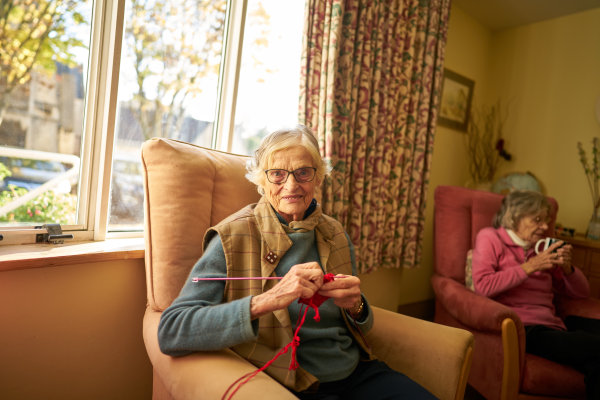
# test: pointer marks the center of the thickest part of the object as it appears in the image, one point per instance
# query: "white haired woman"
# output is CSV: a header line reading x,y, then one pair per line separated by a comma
x,y
284,235
507,269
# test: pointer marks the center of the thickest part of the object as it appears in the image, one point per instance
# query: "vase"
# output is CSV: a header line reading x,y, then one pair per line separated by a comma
x,y
593,231
483,185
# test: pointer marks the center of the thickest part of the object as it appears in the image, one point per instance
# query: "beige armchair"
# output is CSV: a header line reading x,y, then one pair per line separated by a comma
x,y
190,188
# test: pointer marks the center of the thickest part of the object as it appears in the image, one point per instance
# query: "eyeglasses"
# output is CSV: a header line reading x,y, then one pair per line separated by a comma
x,y
541,219
302,175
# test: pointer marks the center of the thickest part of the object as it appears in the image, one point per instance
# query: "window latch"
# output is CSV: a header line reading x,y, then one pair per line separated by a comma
x,y
53,234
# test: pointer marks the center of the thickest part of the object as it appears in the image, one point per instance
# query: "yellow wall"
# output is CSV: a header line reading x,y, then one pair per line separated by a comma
x,y
550,74
74,332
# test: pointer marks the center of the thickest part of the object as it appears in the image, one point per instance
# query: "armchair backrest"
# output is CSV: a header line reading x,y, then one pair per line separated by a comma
x,y
187,189
459,214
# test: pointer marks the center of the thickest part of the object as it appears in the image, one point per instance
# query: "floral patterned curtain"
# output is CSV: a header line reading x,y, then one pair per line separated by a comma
x,y
371,78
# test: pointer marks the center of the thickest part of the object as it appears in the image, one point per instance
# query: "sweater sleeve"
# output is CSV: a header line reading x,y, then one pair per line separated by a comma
x,y
198,320
495,270
366,323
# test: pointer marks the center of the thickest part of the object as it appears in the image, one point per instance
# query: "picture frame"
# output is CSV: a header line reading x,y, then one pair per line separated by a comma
x,y
455,105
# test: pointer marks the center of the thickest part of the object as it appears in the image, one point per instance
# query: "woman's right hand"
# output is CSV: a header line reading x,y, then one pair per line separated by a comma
x,y
545,260
302,281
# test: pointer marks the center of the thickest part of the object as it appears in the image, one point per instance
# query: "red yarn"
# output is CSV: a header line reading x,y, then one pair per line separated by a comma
x,y
313,302
316,300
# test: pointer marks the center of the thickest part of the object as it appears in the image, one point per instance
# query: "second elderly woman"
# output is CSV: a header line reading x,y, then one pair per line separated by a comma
x,y
284,235
507,269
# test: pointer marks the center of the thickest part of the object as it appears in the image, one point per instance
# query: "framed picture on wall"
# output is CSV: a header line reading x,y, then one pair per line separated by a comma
x,y
455,106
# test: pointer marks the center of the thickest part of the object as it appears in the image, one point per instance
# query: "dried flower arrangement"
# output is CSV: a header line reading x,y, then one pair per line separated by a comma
x,y
485,145
592,173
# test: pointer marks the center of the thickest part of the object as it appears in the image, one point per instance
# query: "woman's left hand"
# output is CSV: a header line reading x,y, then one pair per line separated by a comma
x,y
563,258
344,290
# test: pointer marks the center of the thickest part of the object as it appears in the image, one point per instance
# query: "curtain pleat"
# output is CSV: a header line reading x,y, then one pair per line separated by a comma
x,y
371,77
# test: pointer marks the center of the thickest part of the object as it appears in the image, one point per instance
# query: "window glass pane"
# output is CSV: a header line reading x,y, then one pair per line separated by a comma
x,y
269,78
43,73
167,88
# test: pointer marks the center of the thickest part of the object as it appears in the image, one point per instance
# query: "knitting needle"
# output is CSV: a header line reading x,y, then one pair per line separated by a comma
x,y
241,278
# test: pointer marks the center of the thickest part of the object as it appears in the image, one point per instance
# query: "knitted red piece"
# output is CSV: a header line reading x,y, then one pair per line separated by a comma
x,y
317,299
313,302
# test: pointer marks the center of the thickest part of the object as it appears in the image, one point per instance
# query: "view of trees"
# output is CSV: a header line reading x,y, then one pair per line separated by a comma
x,y
34,35
175,44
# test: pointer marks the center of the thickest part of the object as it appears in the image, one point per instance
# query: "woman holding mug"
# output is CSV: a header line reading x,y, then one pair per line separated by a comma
x,y
507,269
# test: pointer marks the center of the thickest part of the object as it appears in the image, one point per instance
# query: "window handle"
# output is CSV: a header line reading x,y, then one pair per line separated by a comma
x,y
53,234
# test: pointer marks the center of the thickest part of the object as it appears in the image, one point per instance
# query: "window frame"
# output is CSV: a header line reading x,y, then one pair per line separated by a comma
x,y
106,38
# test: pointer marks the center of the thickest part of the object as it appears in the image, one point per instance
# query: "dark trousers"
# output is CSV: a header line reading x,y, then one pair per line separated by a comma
x,y
578,347
371,380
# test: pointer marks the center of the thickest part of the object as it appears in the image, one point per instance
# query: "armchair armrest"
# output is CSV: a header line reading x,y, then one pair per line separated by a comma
x,y
436,356
470,309
494,326
589,308
206,375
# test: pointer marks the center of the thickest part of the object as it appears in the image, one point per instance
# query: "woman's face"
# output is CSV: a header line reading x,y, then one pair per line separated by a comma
x,y
291,199
532,228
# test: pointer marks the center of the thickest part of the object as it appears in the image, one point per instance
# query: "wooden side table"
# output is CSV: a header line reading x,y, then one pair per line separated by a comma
x,y
586,256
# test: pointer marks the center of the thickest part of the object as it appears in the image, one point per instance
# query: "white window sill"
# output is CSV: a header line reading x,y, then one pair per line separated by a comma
x,y
13,257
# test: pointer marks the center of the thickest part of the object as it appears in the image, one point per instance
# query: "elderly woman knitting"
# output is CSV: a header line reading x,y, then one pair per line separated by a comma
x,y
507,269
284,235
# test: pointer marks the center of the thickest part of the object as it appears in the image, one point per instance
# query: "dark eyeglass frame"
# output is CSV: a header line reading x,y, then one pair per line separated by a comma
x,y
288,173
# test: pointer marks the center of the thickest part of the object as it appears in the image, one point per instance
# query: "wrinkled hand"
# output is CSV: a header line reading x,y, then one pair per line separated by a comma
x,y
564,258
344,290
302,281
548,259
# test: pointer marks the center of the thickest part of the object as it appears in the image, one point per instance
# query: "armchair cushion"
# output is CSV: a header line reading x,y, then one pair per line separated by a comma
x,y
180,178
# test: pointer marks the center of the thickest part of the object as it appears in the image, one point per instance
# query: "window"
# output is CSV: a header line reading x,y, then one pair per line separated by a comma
x,y
84,83
42,72
270,75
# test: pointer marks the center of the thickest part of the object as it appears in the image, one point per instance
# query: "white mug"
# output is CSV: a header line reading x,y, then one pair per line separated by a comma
x,y
544,243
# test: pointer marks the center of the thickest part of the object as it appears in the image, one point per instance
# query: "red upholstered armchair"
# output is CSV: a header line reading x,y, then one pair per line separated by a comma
x,y
501,369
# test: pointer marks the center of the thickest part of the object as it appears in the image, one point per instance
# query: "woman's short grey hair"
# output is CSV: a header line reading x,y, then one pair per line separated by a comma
x,y
518,204
281,140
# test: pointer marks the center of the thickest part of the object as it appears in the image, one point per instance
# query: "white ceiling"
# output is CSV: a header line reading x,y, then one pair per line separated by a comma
x,y
502,14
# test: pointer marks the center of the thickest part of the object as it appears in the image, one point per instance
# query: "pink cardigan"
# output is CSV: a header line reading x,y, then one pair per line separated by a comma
x,y
497,274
